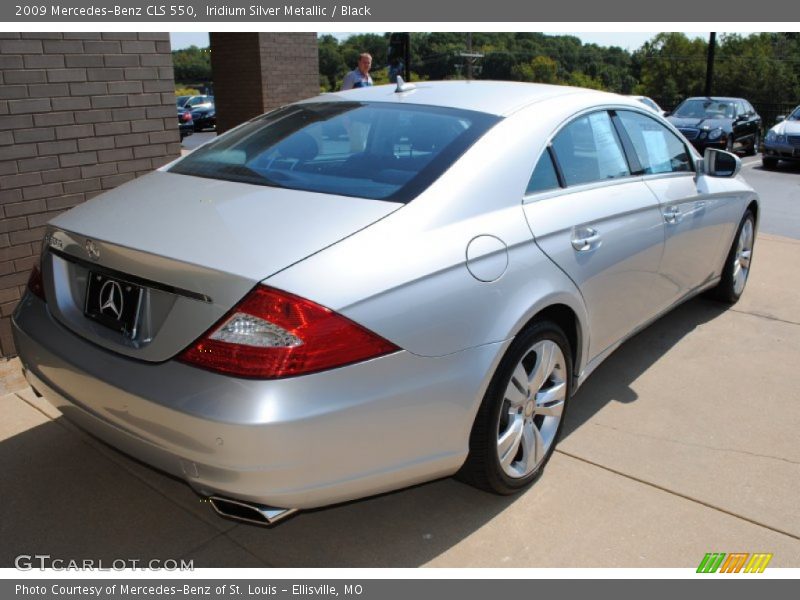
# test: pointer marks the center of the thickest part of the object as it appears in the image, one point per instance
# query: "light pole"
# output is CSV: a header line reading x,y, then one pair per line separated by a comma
x,y
712,42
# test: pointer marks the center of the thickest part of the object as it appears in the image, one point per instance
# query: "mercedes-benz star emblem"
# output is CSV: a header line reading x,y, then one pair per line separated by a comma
x,y
111,302
92,250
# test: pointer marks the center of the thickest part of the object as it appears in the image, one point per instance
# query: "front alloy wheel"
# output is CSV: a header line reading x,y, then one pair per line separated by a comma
x,y
737,264
741,261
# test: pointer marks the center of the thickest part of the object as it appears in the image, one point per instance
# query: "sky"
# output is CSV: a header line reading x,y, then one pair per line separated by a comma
x,y
630,40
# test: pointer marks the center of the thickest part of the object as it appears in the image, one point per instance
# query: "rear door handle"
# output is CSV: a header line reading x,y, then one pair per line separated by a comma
x,y
585,239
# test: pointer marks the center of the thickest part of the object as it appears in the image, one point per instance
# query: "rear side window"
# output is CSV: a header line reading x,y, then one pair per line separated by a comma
x,y
381,151
657,148
588,150
544,176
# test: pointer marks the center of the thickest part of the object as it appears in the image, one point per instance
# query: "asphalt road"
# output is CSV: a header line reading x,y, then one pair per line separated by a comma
x,y
780,196
196,139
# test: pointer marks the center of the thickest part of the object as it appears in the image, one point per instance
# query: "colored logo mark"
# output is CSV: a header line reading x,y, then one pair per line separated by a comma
x,y
736,562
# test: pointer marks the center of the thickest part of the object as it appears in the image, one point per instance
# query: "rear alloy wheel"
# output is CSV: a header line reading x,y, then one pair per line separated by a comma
x,y
737,265
519,422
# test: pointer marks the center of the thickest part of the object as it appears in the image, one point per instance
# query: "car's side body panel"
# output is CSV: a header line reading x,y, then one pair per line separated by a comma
x,y
618,274
298,442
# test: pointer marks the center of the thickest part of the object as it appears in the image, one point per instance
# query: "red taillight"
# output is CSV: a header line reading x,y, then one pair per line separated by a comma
x,y
36,283
273,334
186,117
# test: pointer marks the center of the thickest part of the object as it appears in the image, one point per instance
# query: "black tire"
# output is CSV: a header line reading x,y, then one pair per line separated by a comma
x,y
726,290
752,149
769,162
482,469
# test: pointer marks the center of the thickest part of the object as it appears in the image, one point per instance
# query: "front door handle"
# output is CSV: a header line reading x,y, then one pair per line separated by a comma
x,y
585,239
671,214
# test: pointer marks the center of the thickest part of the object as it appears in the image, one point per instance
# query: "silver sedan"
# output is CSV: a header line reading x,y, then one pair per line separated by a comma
x,y
375,288
782,142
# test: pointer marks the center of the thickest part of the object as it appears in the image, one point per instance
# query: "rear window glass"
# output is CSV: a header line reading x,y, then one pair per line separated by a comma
x,y
381,151
544,176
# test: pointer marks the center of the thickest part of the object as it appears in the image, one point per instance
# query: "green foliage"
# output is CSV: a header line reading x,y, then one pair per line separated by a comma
x,y
761,67
542,69
522,56
186,91
672,67
192,65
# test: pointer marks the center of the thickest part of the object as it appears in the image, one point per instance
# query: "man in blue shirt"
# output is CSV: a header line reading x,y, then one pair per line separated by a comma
x,y
359,77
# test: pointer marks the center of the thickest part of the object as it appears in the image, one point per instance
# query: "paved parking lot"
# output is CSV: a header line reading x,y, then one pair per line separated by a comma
x,y
683,442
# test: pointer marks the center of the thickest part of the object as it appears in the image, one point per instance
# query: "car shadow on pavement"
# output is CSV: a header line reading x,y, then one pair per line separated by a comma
x,y
73,498
787,167
63,498
611,381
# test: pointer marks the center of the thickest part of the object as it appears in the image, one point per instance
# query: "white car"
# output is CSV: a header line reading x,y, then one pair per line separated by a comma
x,y
651,104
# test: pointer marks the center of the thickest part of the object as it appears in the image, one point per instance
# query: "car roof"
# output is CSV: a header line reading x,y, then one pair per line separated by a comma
x,y
716,98
495,97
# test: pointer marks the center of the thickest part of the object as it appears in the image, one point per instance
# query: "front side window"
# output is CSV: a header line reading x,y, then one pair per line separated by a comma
x,y
381,151
588,150
657,148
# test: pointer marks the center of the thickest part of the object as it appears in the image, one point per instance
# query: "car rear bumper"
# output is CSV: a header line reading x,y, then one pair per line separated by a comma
x,y
781,151
295,443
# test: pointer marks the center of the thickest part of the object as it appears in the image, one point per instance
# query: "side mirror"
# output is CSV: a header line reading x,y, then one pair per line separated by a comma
x,y
718,163
780,118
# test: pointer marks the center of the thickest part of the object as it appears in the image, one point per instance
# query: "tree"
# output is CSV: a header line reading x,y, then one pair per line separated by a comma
x,y
542,69
192,65
672,67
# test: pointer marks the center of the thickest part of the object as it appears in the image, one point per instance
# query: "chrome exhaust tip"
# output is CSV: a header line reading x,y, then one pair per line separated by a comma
x,y
249,512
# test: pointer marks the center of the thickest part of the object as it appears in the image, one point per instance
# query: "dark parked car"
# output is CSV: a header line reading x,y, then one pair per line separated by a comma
x,y
185,122
204,116
204,113
199,100
728,123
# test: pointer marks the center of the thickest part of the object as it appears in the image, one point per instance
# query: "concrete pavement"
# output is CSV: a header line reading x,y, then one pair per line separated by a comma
x,y
684,442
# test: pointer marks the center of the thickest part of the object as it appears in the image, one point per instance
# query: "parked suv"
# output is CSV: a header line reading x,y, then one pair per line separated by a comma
x,y
728,123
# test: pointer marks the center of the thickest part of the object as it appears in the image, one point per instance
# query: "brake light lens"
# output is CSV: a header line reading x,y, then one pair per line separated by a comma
x,y
272,334
36,283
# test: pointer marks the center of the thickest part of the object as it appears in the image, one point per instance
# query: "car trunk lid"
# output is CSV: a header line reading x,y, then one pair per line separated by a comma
x,y
195,246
